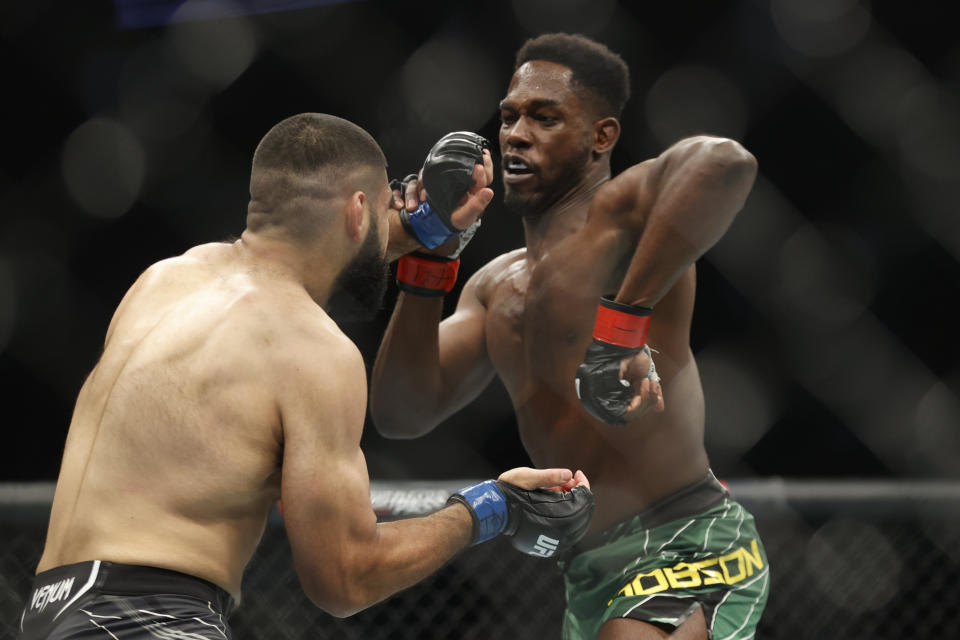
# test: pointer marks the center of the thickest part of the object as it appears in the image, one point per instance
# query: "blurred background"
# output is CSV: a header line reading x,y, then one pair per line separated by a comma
x,y
824,316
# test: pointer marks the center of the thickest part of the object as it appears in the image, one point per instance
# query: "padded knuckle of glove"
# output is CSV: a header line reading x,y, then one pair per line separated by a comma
x,y
447,174
540,522
448,169
599,386
545,523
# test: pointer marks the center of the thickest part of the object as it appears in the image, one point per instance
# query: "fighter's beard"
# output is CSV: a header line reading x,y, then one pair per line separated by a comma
x,y
526,205
534,204
359,289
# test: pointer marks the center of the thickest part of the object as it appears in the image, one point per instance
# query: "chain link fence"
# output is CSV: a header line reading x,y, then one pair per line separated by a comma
x,y
849,561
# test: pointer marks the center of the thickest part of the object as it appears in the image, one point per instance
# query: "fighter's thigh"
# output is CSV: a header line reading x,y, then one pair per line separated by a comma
x,y
627,629
693,628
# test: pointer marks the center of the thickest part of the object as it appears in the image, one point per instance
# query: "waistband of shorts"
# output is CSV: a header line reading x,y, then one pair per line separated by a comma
x,y
692,499
113,578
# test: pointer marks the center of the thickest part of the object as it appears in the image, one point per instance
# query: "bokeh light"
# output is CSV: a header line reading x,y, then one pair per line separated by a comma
x,y
450,85
820,28
103,167
691,100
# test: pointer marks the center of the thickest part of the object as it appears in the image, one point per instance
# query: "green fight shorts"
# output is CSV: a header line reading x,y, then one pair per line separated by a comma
x,y
695,546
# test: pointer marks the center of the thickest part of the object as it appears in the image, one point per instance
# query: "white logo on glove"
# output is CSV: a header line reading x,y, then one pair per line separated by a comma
x,y
546,546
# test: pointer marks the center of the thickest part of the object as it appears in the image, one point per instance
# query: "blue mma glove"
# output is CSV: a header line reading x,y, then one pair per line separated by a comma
x,y
447,174
541,522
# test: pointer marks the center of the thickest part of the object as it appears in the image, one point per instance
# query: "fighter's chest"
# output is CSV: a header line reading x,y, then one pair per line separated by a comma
x,y
506,311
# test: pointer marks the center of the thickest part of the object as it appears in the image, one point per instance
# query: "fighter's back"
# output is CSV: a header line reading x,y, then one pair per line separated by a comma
x,y
172,458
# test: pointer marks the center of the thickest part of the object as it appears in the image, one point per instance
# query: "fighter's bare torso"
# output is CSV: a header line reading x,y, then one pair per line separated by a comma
x,y
538,324
172,458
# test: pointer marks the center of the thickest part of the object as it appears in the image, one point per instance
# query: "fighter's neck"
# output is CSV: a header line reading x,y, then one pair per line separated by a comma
x,y
563,218
279,260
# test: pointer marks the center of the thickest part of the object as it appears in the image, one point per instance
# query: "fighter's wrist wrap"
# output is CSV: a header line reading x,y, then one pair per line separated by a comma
x,y
621,324
426,275
620,331
427,226
541,522
488,509
447,175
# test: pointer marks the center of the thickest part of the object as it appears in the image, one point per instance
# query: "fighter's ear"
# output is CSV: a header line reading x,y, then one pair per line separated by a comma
x,y
355,217
606,132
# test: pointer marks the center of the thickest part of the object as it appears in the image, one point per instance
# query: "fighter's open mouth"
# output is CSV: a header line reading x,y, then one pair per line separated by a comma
x,y
516,166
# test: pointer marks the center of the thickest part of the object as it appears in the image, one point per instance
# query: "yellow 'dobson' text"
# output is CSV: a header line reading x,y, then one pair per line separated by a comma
x,y
728,569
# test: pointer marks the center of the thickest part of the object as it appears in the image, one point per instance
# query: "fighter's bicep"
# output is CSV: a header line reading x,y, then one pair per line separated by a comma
x,y
329,522
325,489
463,341
322,405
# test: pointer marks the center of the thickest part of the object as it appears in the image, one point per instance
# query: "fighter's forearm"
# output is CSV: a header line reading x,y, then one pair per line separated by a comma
x,y
699,186
402,554
400,242
407,379
415,548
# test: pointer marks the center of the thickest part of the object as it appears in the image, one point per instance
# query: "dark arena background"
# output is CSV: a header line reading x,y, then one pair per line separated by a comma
x,y
825,322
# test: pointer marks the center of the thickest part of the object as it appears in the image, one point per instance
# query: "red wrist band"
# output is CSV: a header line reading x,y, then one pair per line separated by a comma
x,y
622,324
427,275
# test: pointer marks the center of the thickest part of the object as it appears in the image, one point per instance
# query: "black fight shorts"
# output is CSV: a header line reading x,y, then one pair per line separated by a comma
x,y
107,600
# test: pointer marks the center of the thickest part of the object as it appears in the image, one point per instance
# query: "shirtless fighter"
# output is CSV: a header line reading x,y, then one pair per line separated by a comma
x,y
223,386
608,268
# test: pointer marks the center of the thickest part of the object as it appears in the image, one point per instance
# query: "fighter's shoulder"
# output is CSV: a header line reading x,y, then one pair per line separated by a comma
x,y
191,259
308,337
627,186
312,360
496,270
616,203
502,264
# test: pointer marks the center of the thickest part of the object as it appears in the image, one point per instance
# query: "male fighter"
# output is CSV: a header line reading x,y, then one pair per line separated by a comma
x,y
608,267
223,386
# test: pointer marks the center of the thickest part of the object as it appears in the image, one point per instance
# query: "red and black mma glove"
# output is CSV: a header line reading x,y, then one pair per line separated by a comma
x,y
540,522
620,332
426,275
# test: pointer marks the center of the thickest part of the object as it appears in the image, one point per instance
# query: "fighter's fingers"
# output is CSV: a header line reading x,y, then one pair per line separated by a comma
x,y
635,368
528,478
411,194
636,403
487,167
581,479
471,208
648,397
657,393
479,179
578,480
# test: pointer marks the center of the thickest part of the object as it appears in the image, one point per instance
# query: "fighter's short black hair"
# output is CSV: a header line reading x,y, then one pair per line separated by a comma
x,y
309,142
594,66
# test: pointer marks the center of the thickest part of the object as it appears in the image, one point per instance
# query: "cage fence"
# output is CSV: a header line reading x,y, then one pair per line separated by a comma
x,y
849,560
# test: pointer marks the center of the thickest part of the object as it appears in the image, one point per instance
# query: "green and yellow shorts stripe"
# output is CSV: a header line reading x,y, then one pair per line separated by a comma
x,y
657,574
